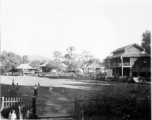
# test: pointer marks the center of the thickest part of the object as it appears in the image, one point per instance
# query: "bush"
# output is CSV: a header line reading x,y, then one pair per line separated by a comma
x,y
5,112
122,106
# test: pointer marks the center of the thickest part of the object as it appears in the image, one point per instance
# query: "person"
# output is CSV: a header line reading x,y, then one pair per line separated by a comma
x,y
50,90
38,84
13,82
13,115
10,114
17,86
35,90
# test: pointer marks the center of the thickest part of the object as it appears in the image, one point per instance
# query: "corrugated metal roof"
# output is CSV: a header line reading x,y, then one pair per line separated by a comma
x,y
129,55
123,48
135,55
44,64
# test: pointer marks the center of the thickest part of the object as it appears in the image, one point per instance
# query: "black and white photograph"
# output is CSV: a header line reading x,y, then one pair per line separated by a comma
x,y
75,59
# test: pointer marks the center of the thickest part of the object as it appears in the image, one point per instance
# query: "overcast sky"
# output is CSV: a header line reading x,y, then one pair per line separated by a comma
x,y
39,27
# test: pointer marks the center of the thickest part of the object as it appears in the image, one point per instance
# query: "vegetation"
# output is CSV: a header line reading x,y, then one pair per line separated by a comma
x,y
146,41
9,61
126,102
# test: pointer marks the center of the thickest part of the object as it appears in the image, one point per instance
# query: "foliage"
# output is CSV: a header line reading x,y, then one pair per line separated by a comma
x,y
25,59
54,65
146,41
87,56
36,63
5,112
57,55
70,50
124,104
9,61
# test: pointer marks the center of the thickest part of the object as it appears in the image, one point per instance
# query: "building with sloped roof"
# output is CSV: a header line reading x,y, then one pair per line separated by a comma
x,y
25,69
129,60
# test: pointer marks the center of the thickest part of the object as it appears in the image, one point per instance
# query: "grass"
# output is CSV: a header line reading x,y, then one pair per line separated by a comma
x,y
61,101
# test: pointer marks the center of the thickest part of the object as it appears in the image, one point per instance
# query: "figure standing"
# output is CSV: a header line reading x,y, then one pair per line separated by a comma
x,y
10,114
13,116
17,86
12,82
38,84
35,90
50,90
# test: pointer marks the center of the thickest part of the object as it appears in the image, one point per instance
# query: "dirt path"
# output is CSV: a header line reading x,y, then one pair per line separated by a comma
x,y
55,104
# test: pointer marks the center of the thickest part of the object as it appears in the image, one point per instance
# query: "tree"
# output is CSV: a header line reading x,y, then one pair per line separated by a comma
x,y
86,56
25,59
70,50
57,55
146,41
9,61
36,64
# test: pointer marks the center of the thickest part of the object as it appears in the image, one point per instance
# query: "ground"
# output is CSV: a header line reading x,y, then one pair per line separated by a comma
x,y
61,101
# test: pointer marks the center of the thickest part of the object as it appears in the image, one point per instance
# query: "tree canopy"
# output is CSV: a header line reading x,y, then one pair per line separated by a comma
x,y
57,55
146,41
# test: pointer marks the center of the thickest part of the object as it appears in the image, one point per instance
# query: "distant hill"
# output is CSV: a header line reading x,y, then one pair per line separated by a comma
x,y
36,57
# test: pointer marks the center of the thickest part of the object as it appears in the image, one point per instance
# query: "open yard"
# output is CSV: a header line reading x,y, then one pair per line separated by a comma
x,y
61,101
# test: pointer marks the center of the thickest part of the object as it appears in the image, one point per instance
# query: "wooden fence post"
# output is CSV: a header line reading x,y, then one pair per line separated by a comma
x,y
20,113
34,107
2,102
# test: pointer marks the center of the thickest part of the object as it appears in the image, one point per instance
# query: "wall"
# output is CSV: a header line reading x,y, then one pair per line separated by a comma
x,y
133,49
132,60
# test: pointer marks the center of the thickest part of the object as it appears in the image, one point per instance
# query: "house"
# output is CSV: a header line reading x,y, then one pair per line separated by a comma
x,y
25,69
44,67
128,60
94,67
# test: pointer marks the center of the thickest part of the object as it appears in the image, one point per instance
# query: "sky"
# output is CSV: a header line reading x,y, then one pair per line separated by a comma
x,y
40,27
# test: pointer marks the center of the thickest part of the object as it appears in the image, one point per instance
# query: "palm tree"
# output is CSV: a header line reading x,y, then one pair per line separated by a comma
x,y
70,50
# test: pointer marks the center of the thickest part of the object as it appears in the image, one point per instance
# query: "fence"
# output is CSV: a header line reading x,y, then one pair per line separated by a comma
x,y
86,108
25,107
96,109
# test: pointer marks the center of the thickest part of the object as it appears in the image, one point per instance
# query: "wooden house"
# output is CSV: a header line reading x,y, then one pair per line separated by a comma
x,y
129,60
25,69
95,67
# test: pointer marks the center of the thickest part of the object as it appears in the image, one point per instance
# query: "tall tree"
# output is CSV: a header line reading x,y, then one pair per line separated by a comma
x,y
70,50
146,41
9,61
57,55
86,56
25,59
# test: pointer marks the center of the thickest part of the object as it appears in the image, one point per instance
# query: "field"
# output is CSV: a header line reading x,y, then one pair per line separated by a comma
x,y
61,101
